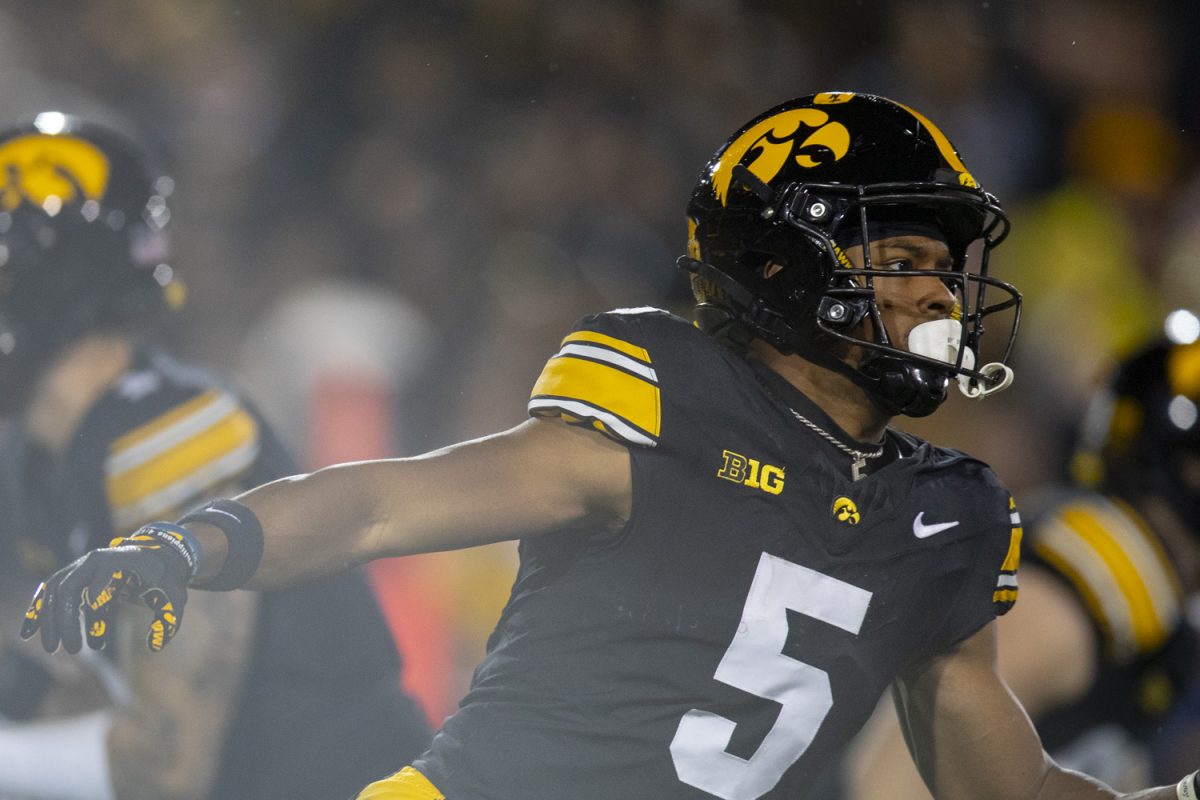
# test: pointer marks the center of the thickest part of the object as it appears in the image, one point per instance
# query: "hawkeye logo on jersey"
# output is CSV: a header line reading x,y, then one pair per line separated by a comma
x,y
750,472
844,510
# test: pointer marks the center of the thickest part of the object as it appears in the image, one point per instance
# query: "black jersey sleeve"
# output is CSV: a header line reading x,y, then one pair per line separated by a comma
x,y
603,377
987,569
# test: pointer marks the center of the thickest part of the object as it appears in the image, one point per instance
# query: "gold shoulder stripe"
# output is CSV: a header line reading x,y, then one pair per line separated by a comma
x,y
166,421
1012,561
1117,568
1151,554
602,388
176,458
602,381
1005,598
1146,626
1006,591
1054,557
609,341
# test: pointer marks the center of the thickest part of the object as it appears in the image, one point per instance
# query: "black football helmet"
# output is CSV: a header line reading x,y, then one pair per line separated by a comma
x,y
83,242
803,182
1141,434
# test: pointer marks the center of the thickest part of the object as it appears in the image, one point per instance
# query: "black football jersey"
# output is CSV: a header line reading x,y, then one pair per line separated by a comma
x,y
741,627
161,440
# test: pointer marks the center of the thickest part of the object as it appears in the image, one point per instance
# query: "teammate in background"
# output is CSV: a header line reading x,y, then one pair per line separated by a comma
x,y
1100,649
110,432
727,554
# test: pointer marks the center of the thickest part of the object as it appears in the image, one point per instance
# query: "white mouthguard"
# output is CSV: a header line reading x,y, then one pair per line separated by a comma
x,y
941,339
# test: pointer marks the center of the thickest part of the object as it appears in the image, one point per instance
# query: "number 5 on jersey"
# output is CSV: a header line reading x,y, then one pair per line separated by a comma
x,y
754,662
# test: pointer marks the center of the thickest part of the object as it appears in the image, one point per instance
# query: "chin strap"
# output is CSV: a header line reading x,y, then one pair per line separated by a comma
x,y
900,386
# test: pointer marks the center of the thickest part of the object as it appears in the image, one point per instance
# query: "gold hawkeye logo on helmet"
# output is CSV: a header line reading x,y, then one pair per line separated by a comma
x,y
51,171
776,139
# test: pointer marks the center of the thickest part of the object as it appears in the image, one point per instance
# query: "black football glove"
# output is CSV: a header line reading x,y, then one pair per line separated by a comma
x,y
152,566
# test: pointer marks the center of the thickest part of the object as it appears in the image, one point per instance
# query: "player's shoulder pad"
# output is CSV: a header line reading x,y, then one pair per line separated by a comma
x,y
603,375
178,437
1115,562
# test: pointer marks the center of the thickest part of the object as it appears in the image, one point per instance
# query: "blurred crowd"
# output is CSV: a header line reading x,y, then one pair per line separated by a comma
x,y
388,213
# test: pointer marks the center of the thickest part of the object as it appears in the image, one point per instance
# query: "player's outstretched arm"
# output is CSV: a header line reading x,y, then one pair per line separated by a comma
x,y
538,477
970,737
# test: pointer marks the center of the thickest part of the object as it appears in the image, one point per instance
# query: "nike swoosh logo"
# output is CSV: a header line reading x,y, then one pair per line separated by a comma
x,y
923,531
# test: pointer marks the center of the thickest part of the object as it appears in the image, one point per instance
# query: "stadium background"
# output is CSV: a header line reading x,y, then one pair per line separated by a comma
x,y
387,213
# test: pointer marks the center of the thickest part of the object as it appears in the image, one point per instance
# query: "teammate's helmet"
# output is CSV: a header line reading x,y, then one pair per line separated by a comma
x,y
803,182
83,242
1141,435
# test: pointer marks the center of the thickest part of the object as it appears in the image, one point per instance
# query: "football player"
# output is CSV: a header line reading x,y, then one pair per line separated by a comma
x,y
110,432
1104,652
727,554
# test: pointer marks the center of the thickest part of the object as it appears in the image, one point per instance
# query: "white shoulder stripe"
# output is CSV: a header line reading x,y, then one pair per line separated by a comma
x,y
1153,573
611,356
205,417
639,310
1058,537
190,488
586,411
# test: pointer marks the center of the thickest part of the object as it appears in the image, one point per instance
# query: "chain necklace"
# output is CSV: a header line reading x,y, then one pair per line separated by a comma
x,y
859,457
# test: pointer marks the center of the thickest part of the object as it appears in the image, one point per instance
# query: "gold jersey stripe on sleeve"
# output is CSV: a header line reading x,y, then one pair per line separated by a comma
x,y
620,345
407,784
1006,591
601,381
175,458
1121,574
194,412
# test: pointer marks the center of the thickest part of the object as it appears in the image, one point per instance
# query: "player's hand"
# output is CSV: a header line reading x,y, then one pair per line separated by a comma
x,y
152,566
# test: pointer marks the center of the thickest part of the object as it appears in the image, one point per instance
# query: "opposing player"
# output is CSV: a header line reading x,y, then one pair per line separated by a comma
x,y
726,553
109,432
